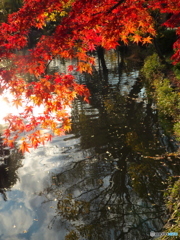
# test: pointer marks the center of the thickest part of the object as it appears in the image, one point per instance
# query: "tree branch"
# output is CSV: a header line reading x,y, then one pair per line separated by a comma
x,y
115,6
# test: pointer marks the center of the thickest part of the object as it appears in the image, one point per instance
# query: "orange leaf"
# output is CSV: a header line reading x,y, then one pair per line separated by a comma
x,y
137,38
24,147
49,137
28,109
17,102
59,131
7,132
35,142
147,40
42,139
5,141
10,143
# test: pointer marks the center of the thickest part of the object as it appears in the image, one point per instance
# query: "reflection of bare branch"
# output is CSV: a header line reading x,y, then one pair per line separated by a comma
x,y
136,228
74,166
85,192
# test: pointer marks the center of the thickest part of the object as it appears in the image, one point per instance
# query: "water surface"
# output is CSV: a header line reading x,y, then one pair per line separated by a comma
x,y
103,180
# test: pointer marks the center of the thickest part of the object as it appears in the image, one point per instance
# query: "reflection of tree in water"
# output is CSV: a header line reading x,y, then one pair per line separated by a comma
x,y
96,198
116,190
8,174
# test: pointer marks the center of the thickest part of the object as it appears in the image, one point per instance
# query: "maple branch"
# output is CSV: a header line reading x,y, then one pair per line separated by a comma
x,y
111,9
115,6
48,65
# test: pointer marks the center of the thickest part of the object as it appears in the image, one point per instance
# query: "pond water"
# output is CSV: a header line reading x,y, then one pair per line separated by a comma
x,y
103,180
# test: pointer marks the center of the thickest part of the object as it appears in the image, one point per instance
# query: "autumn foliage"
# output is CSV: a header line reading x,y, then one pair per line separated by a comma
x,y
69,29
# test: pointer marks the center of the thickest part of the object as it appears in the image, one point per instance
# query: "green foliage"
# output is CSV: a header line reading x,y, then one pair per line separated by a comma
x,y
167,99
168,103
8,6
176,70
160,89
152,67
173,205
72,235
166,124
177,130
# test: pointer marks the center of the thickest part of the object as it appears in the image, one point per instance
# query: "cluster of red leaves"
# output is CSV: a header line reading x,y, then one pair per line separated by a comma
x,y
173,8
81,26
55,94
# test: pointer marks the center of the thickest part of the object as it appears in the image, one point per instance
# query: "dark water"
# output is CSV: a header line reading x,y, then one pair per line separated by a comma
x,y
104,180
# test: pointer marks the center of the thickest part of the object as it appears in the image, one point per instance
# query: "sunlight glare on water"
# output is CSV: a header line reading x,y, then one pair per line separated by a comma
x,y
7,107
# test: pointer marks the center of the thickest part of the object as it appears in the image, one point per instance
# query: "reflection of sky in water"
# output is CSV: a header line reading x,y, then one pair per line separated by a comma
x,y
126,81
24,215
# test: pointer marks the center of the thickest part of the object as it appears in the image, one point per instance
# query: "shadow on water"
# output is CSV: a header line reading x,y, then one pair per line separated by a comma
x,y
115,191
9,164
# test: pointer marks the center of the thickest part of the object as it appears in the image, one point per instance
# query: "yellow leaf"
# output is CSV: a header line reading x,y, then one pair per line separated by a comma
x,y
59,131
